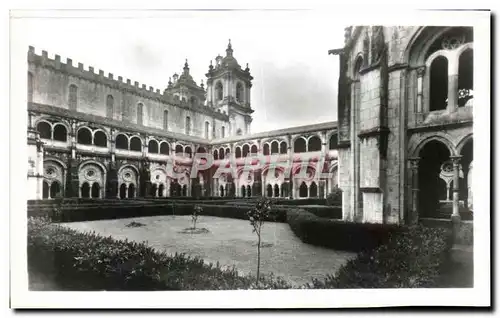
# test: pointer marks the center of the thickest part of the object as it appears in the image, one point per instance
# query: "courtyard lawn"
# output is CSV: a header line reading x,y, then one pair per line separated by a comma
x,y
230,242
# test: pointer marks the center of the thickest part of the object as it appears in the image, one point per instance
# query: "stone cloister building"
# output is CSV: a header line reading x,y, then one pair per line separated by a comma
x,y
405,123
96,136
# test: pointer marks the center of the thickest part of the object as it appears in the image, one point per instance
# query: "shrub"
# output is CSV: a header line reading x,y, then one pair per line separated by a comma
x,y
413,258
85,261
337,234
335,197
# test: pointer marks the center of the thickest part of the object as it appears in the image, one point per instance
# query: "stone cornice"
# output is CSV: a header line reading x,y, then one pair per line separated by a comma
x,y
344,144
434,127
373,132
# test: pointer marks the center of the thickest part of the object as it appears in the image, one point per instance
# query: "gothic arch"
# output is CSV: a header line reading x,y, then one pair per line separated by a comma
x,y
417,143
125,174
90,172
463,142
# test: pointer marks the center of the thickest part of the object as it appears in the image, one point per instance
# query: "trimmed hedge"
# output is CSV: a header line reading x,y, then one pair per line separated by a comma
x,y
414,258
337,234
85,261
103,212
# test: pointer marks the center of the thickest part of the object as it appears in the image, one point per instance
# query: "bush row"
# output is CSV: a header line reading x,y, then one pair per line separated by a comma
x,y
102,212
414,258
85,261
337,234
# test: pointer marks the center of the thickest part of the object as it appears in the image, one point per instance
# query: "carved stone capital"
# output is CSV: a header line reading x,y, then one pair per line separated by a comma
x,y
421,71
414,162
455,160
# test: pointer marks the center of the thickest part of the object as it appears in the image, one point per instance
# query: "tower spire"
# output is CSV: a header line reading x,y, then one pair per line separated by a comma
x,y
229,50
186,67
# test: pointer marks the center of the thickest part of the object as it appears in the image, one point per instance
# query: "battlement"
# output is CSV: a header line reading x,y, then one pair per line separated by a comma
x,y
109,80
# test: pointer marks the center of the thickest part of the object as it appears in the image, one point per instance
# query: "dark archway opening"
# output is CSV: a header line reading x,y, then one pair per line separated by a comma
x,y
135,144
45,193
432,187
100,139
314,144
60,133
123,191
184,190
266,150
439,84
274,147
269,190
243,191
249,191
131,190
283,148
55,190
121,142
161,188
465,77
466,191
221,191
276,190
96,190
153,146
45,130
164,148
313,190
84,136
303,190
85,190
299,145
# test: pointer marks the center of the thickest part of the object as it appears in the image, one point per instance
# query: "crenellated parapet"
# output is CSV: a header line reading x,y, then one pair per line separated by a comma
x,y
127,85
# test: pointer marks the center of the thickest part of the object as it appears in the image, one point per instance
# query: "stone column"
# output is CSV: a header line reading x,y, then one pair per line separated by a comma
x,y
456,184
452,84
420,88
413,219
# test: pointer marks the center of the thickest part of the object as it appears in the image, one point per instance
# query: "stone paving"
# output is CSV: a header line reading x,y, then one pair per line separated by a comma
x,y
229,242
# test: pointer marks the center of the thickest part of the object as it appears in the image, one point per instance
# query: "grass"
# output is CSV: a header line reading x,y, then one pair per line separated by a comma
x,y
229,243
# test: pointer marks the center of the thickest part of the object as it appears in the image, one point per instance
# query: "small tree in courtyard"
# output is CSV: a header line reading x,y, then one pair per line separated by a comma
x,y
258,216
194,217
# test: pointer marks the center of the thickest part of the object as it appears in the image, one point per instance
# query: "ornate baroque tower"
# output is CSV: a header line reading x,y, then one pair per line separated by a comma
x,y
228,89
184,89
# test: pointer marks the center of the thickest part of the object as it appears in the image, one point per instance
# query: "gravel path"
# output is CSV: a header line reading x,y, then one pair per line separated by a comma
x,y
229,242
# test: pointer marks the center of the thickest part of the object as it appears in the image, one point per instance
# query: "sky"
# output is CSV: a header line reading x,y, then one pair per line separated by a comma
x,y
295,80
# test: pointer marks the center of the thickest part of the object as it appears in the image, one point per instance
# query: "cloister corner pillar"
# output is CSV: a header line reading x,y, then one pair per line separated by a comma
x,y
414,162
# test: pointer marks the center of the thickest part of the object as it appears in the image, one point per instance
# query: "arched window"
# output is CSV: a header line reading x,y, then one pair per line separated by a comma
x,y
123,191
333,141
188,152
219,90
313,190
216,155
207,129
222,155
223,132
45,190
245,150
100,139
299,145
135,144
253,150
131,190
73,97
60,133
96,190
238,152
243,191
227,152
84,136
239,92
274,147
303,190
121,142
269,190
153,146
276,190
30,87
266,149
164,148
110,101
314,144
283,148
85,190
439,83
44,129
465,78
179,150
55,190
201,150
188,125
165,119
140,110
